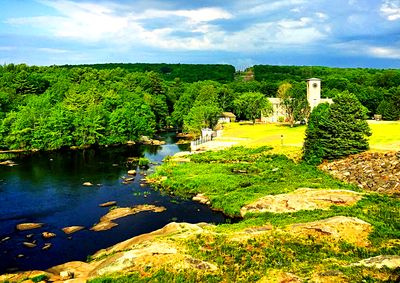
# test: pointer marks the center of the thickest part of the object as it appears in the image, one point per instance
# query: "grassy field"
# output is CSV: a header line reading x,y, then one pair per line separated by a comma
x,y
286,140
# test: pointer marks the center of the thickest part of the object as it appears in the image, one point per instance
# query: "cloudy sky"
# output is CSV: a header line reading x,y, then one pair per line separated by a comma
x,y
342,33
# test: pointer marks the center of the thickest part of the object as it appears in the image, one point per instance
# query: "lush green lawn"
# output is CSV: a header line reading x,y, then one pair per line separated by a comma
x,y
286,140
385,136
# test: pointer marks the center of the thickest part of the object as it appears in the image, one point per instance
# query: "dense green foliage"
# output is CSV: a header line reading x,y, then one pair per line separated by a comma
x,y
294,102
54,107
186,72
250,105
336,130
371,86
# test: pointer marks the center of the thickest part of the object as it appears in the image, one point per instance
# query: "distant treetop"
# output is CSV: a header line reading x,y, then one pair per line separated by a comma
x,y
186,72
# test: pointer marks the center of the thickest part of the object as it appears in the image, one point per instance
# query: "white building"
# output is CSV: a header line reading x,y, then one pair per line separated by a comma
x,y
313,97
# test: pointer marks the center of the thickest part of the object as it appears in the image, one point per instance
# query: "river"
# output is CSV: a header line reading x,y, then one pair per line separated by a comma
x,y
47,188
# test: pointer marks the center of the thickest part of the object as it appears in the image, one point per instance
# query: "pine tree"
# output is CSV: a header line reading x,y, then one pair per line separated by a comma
x,y
336,130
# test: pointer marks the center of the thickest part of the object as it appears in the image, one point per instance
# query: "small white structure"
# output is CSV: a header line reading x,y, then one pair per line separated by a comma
x,y
227,117
313,97
206,132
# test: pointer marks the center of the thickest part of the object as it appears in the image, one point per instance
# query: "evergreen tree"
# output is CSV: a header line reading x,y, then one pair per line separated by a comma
x,y
336,130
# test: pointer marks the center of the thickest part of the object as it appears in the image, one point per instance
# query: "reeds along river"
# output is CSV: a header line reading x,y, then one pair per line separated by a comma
x,y
47,188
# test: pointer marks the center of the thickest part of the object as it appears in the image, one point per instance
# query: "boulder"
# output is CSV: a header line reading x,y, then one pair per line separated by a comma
x,y
302,199
72,229
28,226
87,184
106,222
109,203
132,172
48,235
102,226
5,239
338,228
29,245
381,261
46,246
201,198
8,163
66,274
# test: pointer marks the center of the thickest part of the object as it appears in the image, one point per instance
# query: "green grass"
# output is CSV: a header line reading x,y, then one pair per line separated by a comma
x,y
385,136
238,176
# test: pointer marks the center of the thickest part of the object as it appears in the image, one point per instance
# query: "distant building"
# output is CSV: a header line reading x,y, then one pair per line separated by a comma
x,y
313,97
227,117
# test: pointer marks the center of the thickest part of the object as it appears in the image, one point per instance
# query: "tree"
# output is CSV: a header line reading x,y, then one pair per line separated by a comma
x,y
205,111
250,105
294,101
336,130
389,107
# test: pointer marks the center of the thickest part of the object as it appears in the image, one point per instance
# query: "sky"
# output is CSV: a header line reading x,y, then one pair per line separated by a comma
x,y
339,33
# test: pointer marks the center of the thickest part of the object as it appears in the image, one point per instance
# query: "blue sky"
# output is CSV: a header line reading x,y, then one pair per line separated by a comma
x,y
341,33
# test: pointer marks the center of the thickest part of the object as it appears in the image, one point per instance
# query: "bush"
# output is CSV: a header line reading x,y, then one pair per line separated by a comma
x,y
144,162
336,130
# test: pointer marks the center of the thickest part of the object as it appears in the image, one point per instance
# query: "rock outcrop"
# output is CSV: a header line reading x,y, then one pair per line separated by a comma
x,y
371,171
72,229
302,199
28,226
338,228
381,261
106,222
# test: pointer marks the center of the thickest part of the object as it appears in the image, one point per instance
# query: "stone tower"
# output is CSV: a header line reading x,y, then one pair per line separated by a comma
x,y
313,92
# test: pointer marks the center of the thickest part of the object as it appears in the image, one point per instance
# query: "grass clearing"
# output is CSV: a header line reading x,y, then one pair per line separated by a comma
x,y
385,136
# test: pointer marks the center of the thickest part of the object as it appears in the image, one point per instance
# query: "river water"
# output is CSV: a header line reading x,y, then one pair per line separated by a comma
x,y
47,188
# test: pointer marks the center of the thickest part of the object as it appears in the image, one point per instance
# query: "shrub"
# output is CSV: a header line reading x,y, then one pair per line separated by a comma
x,y
144,162
336,130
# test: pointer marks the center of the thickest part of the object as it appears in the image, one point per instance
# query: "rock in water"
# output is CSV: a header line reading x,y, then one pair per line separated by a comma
x,y
132,172
87,184
48,235
109,203
46,246
28,226
29,245
72,229
5,239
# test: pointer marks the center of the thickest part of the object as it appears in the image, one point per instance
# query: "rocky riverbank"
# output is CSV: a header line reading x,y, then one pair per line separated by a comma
x,y
371,171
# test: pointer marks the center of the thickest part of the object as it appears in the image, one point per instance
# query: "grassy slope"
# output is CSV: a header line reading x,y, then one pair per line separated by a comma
x,y
217,174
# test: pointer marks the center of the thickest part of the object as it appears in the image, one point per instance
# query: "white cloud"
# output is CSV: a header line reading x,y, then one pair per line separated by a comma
x,y
261,7
391,9
124,28
384,52
321,16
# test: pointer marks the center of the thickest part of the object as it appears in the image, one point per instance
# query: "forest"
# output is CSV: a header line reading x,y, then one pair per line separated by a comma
x,y
54,107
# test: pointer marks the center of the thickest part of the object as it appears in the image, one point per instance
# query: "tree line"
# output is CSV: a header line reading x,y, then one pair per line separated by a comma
x,y
54,107
377,89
